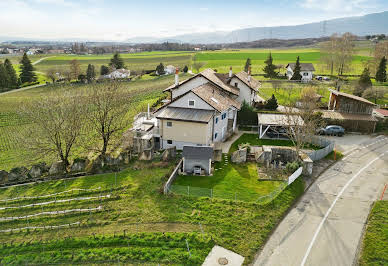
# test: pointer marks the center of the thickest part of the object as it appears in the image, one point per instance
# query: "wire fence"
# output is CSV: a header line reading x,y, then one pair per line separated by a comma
x,y
222,194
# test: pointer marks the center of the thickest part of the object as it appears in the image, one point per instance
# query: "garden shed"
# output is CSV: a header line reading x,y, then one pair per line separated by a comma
x,y
197,160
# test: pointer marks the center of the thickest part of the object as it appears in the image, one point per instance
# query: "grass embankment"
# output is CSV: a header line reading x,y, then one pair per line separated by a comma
x,y
375,243
137,206
13,153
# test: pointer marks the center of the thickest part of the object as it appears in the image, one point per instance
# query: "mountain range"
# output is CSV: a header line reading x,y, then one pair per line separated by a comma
x,y
376,23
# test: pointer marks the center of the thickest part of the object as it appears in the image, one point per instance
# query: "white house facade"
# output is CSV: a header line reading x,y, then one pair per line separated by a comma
x,y
203,109
306,71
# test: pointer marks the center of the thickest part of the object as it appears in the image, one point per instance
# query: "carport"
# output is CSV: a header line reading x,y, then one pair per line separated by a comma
x,y
266,121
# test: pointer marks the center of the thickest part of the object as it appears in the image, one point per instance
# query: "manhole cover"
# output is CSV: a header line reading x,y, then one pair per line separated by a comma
x,y
223,261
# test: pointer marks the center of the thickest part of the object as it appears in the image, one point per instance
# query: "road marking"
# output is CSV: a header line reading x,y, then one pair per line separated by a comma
x,y
332,205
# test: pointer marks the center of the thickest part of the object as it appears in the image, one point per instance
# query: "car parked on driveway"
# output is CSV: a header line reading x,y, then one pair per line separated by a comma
x,y
332,130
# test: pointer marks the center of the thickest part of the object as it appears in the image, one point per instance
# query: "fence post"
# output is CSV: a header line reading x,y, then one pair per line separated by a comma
x,y
211,193
188,248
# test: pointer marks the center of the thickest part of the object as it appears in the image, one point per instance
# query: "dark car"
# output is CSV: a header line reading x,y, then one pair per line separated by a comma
x,y
332,130
277,133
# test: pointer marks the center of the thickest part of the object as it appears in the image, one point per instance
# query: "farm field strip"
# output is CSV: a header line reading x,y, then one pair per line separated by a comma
x,y
57,212
50,195
100,197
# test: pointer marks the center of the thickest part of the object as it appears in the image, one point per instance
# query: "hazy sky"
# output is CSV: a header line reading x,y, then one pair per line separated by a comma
x,y
123,19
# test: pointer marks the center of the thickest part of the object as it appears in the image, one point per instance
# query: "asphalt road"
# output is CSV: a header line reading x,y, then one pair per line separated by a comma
x,y
326,226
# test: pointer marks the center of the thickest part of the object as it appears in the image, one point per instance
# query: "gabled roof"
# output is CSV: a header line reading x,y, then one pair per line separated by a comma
x,y
303,66
197,152
346,116
185,114
209,74
252,83
214,96
351,96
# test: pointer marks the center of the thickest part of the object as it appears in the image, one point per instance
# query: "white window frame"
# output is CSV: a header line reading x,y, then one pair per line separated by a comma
x,y
168,125
191,101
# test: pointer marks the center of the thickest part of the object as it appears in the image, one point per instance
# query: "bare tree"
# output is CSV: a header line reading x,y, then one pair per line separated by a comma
x,y
374,93
276,84
56,125
108,105
338,52
304,121
51,73
75,68
67,75
198,65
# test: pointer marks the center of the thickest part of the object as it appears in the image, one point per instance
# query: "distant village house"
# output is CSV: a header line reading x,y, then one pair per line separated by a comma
x,y
306,71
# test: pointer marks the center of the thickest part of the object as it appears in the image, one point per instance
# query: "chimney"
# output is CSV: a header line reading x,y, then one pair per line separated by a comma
x,y
176,76
249,73
230,72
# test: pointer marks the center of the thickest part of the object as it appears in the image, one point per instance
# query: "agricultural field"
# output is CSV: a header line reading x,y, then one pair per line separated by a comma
x,y
120,218
133,62
374,248
223,59
12,151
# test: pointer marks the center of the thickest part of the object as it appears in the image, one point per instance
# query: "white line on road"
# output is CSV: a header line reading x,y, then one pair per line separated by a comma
x,y
332,205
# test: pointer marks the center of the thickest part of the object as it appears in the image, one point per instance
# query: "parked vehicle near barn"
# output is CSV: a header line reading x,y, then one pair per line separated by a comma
x,y
332,130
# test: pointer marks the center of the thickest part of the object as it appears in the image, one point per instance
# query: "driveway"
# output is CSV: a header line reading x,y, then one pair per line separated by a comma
x,y
349,142
325,227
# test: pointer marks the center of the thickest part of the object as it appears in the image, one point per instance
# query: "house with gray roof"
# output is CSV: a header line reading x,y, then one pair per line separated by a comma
x,y
306,70
202,110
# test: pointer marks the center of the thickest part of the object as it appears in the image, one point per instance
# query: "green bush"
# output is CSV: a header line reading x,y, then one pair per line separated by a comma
x,y
292,166
246,115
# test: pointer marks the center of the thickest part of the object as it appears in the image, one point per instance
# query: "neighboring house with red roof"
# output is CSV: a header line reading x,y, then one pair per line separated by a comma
x,y
380,113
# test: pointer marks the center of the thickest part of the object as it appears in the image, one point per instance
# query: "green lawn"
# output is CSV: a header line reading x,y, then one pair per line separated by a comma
x,y
375,243
231,180
254,140
136,206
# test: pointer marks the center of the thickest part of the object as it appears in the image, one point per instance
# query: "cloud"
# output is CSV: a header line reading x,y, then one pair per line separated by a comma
x,y
348,6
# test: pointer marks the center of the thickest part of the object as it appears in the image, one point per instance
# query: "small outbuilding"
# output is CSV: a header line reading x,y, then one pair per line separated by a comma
x,y
277,122
197,160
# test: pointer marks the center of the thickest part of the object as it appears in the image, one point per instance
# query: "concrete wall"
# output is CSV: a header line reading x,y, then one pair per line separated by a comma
x,y
198,102
184,133
189,85
188,165
246,93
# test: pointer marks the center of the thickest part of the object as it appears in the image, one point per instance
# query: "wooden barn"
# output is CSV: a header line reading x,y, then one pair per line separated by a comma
x,y
351,112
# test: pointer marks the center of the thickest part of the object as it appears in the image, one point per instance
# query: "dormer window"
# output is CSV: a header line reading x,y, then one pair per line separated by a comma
x,y
191,103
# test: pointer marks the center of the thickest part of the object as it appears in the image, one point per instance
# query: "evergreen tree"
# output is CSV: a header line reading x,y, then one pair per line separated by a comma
x,y
247,64
117,62
297,75
270,68
272,103
381,74
90,73
160,69
4,80
104,70
27,70
363,83
185,69
246,115
13,78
